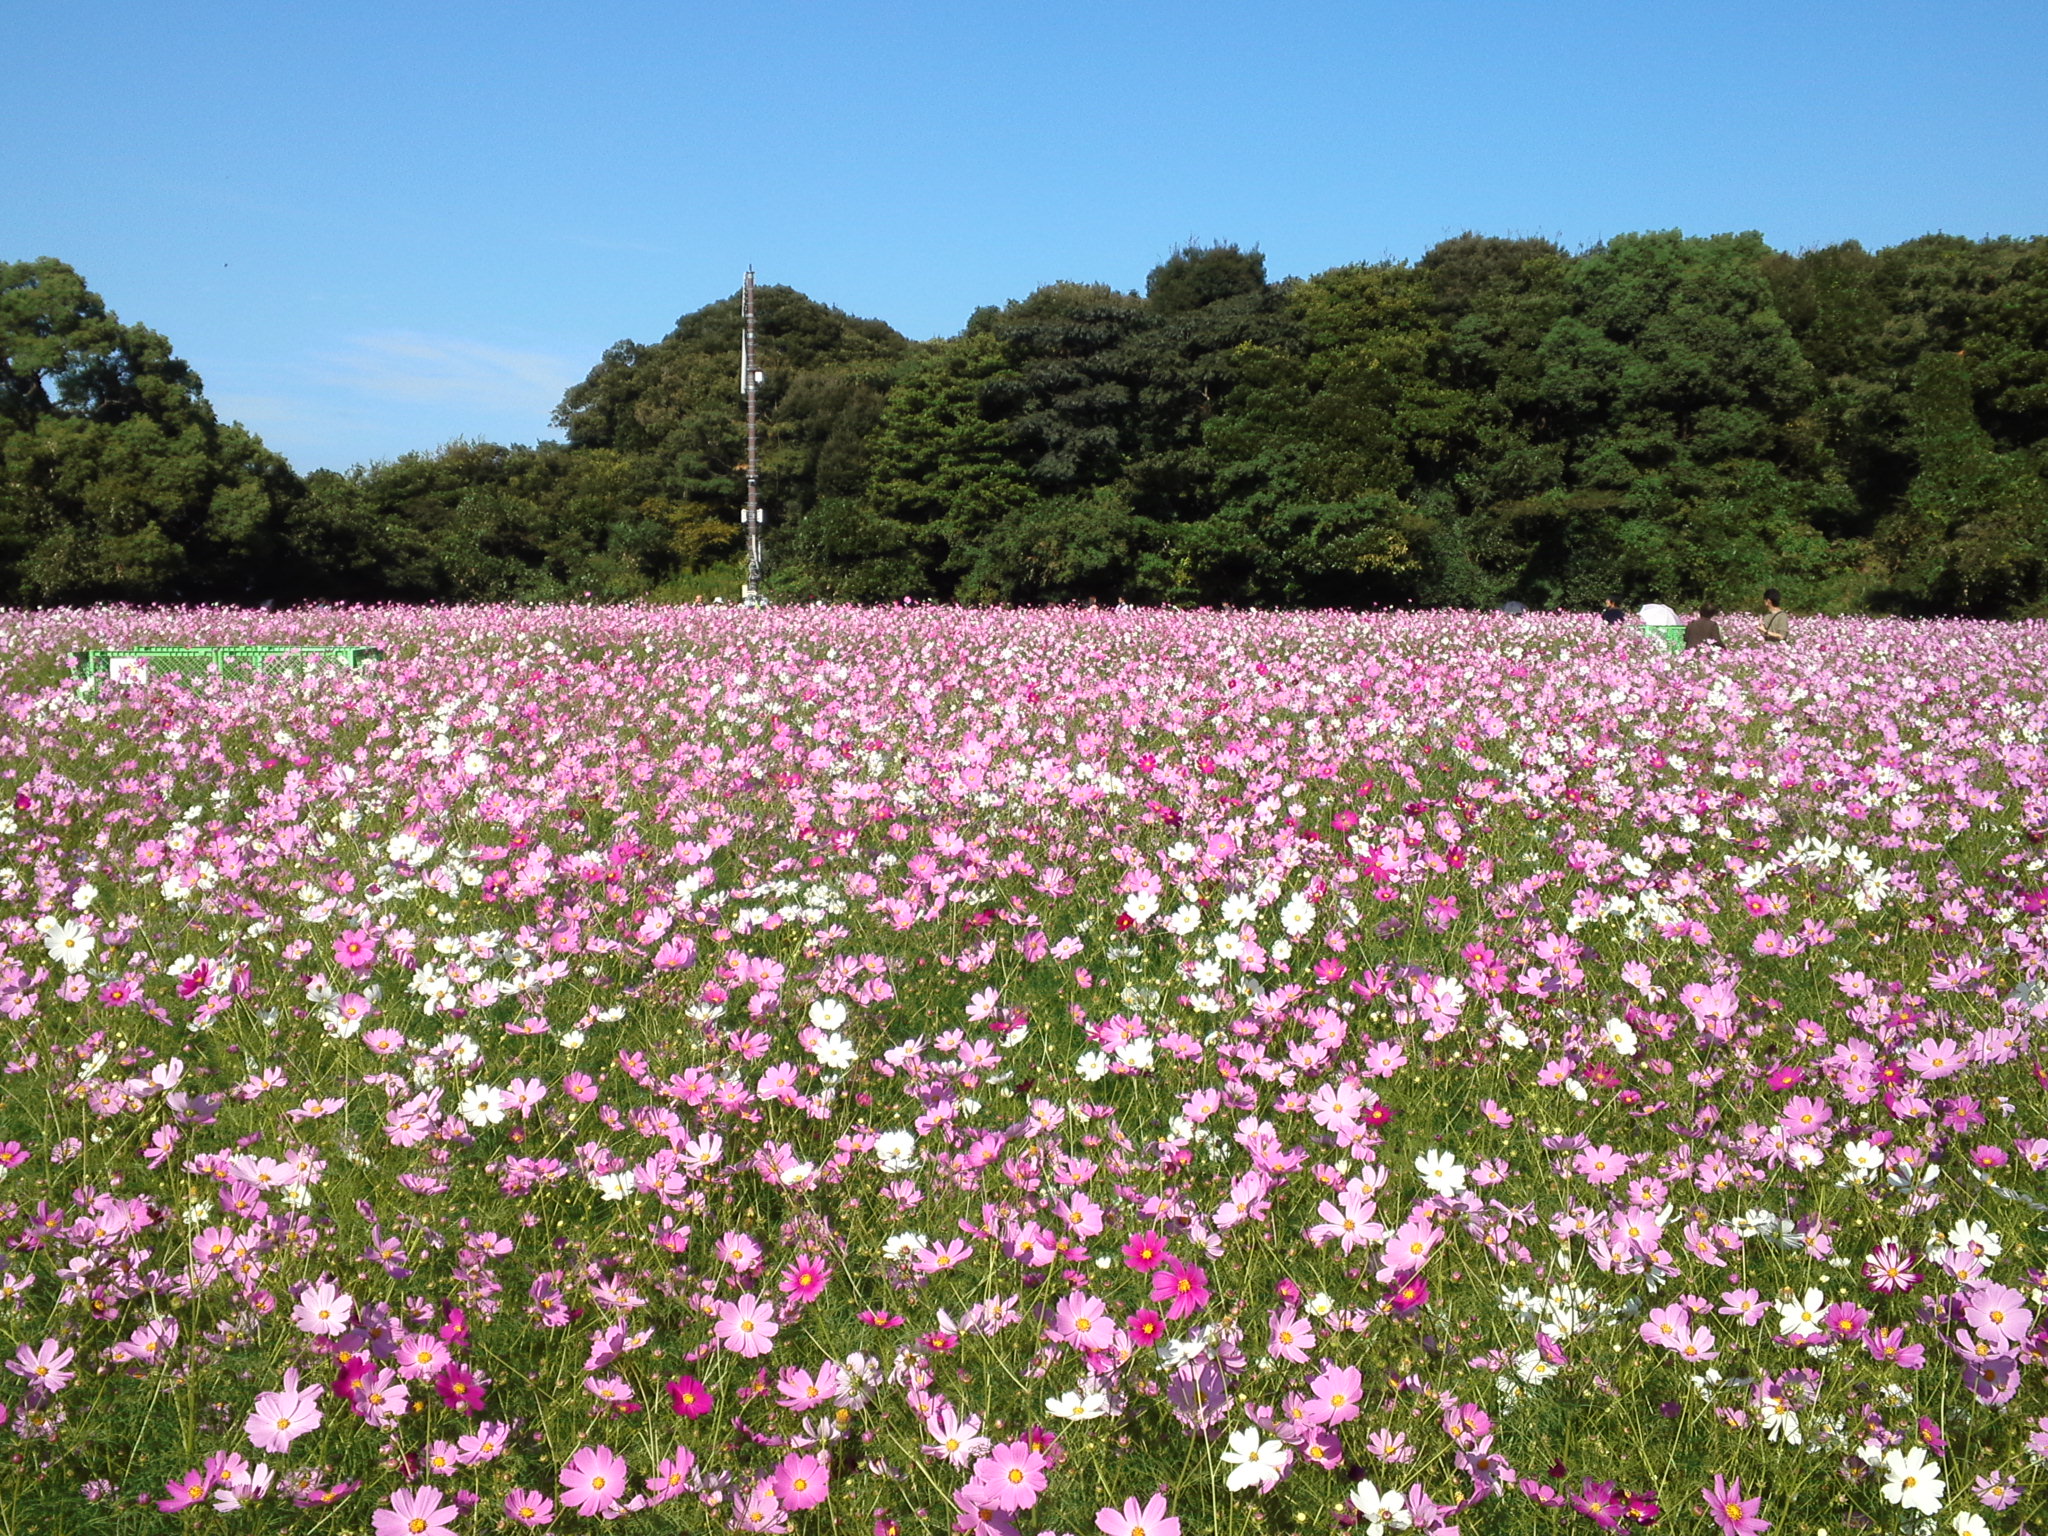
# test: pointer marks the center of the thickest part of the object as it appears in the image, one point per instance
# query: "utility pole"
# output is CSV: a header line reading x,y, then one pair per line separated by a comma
x,y
750,385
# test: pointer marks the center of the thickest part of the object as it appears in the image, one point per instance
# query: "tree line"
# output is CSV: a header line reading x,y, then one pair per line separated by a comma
x,y
1661,416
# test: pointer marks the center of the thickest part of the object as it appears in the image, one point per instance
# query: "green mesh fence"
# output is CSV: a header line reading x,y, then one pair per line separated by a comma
x,y
142,663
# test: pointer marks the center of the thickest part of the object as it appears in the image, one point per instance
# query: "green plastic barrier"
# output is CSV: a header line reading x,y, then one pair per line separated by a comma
x,y
1673,635
140,663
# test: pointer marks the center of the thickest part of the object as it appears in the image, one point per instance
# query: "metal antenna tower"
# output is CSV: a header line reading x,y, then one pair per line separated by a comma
x,y
750,385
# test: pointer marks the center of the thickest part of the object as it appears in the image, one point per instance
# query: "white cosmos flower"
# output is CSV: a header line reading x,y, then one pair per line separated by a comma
x,y
1620,1037
69,944
1254,1461
1441,1172
1863,1159
835,1052
1802,1314
1140,905
1078,1405
896,1151
1092,1067
1913,1482
828,1013
1382,1511
481,1105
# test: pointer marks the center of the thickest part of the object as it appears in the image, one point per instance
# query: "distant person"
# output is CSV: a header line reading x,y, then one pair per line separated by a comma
x,y
1612,612
1703,631
1776,628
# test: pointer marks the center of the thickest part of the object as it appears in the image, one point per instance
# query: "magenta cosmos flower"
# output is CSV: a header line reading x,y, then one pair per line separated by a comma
x,y
689,1397
593,1480
1735,1515
460,1388
415,1512
1183,1287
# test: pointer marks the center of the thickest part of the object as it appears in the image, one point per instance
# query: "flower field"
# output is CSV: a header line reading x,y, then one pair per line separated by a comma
x,y
920,1070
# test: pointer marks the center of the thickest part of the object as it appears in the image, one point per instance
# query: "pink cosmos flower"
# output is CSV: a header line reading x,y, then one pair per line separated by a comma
x,y
1146,1328
1288,1337
740,1251
1010,1477
1082,1321
281,1417
186,1491
1600,1165
801,1391
593,1480
1334,1394
45,1366
671,1476
529,1507
762,1511
1134,1519
421,1357
1935,1059
747,1326
801,1481
1599,1503
356,949
1998,1312
415,1512
1409,1294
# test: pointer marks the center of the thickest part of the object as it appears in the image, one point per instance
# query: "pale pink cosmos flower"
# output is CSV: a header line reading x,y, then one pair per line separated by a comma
x,y
746,1326
44,1366
1135,1519
324,1310
281,1417
415,1512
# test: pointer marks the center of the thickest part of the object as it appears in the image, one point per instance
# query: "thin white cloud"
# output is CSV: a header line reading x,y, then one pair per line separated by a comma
x,y
441,370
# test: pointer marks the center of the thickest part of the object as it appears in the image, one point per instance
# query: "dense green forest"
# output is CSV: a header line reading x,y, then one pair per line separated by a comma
x,y
1659,416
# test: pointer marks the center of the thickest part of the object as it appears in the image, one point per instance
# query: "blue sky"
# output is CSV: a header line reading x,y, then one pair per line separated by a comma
x,y
375,227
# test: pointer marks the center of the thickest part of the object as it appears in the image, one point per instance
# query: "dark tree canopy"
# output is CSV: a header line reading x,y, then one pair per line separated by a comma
x,y
1662,416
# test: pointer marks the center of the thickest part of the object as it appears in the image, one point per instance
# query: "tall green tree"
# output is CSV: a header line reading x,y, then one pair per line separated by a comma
x,y
116,479
675,406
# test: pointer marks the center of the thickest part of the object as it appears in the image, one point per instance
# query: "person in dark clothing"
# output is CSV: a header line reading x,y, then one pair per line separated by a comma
x,y
1703,631
1612,612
